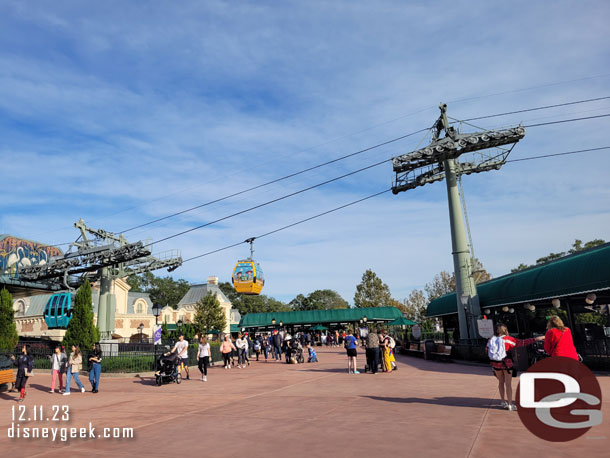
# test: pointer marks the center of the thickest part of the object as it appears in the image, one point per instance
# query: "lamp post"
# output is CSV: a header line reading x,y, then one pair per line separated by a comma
x,y
156,312
179,326
465,301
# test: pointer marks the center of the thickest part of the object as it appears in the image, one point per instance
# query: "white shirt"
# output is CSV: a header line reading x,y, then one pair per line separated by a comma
x,y
182,348
242,343
55,362
204,350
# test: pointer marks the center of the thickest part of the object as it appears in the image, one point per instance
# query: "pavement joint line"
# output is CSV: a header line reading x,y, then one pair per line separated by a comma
x,y
476,437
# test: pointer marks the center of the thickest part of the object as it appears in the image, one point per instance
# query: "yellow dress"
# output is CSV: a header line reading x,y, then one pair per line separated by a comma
x,y
388,357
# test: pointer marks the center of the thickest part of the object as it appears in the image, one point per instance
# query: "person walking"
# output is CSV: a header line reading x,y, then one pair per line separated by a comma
x,y
498,349
95,367
182,349
277,345
386,352
266,346
257,346
558,339
372,351
204,352
226,348
25,366
242,348
74,366
59,362
351,344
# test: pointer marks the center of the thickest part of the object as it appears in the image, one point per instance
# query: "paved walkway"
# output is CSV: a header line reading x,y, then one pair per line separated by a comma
x,y
425,409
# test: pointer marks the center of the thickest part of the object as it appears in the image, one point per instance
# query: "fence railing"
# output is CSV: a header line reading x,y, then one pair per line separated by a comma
x,y
124,361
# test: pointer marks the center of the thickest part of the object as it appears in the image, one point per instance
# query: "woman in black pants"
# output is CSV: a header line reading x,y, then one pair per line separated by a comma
x,y
204,358
25,365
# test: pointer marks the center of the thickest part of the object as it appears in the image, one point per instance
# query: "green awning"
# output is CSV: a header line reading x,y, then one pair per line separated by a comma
x,y
578,274
308,317
402,321
235,328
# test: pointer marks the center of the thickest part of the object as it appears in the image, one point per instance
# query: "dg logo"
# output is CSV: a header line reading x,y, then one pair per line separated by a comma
x,y
559,399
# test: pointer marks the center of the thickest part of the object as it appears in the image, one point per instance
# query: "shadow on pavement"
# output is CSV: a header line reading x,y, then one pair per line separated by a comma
x,y
145,380
479,403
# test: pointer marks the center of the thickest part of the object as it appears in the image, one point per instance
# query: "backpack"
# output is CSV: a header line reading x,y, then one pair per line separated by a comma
x,y
392,342
496,349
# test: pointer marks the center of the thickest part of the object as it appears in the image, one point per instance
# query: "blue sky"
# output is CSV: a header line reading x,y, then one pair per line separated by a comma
x,y
122,112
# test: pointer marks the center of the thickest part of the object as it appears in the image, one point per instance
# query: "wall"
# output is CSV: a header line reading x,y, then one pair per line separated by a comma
x,y
16,253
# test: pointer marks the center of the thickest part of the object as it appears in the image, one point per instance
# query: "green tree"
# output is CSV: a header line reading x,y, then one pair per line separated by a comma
x,y
299,303
8,329
209,314
442,283
321,299
576,247
162,290
372,292
519,268
81,329
326,299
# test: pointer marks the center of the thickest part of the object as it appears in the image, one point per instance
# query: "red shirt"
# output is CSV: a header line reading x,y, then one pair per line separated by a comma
x,y
557,345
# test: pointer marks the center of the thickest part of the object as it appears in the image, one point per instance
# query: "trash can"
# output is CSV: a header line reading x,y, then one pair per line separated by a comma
x,y
429,347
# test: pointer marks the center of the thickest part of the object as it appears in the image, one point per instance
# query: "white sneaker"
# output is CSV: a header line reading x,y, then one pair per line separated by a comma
x,y
229,366
82,390
52,391
512,407
504,405
205,379
238,366
66,394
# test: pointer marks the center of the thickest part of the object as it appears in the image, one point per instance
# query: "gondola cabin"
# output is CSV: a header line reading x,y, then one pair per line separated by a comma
x,y
58,311
248,277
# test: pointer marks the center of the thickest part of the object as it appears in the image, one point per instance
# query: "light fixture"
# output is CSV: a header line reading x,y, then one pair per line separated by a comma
x,y
505,309
281,324
511,310
590,298
487,311
156,309
556,303
532,308
464,299
273,321
364,318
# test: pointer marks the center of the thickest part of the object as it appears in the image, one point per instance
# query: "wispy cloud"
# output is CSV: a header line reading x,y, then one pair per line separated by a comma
x,y
121,114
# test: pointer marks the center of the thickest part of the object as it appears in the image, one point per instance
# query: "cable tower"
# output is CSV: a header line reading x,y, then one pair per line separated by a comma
x,y
448,157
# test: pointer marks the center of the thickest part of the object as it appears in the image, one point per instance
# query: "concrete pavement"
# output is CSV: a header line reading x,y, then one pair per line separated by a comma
x,y
424,409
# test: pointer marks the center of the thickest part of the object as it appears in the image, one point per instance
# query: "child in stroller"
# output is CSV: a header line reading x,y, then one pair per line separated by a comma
x,y
168,369
295,352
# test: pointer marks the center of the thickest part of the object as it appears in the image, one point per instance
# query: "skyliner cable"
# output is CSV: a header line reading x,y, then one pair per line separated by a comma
x,y
351,155
187,210
375,195
285,177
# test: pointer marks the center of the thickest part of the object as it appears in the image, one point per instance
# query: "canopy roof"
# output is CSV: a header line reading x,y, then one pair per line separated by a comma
x,y
313,317
577,274
402,321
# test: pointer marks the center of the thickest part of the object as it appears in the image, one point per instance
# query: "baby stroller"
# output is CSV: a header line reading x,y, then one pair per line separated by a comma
x,y
168,369
296,353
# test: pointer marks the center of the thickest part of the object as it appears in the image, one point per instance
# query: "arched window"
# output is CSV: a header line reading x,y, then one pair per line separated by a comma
x,y
140,308
19,308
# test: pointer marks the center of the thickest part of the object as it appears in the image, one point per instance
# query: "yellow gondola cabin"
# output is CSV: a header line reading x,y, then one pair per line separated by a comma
x,y
248,277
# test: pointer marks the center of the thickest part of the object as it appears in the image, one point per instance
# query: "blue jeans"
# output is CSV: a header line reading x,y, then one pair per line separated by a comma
x,y
277,353
94,375
241,356
266,351
69,378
